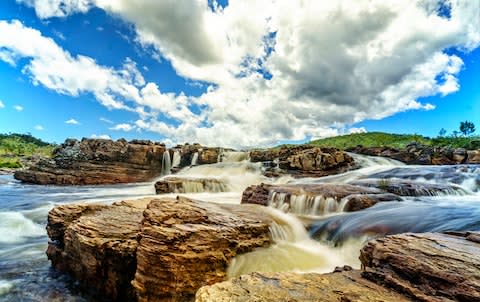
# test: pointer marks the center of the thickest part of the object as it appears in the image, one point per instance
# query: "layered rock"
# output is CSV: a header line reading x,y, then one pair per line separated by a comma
x,y
302,161
97,161
152,249
423,155
410,188
428,267
316,199
273,287
189,185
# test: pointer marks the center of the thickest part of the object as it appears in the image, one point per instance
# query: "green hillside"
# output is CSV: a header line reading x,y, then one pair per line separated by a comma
x,y
381,139
14,146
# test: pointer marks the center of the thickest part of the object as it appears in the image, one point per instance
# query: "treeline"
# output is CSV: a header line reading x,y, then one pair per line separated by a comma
x,y
14,146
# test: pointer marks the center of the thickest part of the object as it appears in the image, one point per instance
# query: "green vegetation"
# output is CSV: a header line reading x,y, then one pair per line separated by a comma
x,y
381,139
14,146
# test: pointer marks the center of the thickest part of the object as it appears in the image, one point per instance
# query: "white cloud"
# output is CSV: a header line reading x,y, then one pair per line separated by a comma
x,y
18,108
106,120
38,127
2,105
101,136
72,121
123,127
332,63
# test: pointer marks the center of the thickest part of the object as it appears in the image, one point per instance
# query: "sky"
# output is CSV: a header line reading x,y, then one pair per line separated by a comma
x,y
238,73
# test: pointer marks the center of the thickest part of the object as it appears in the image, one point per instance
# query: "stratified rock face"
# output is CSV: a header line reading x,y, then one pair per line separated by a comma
x,y
418,154
96,245
168,248
186,245
428,267
189,185
410,188
316,199
97,161
303,161
274,287
205,155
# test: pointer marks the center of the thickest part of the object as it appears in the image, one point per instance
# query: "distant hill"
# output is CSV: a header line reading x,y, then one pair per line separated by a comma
x,y
382,139
13,146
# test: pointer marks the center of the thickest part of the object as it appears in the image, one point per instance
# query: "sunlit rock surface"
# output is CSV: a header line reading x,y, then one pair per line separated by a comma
x,y
97,161
169,248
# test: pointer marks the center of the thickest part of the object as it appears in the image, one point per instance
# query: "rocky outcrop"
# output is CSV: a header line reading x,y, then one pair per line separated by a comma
x,y
273,287
97,161
418,154
189,185
410,188
316,199
408,267
302,161
152,249
204,155
427,267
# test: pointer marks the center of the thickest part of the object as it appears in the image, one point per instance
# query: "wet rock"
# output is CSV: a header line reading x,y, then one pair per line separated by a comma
x,y
97,161
273,287
473,157
427,267
315,199
96,245
303,161
410,188
189,185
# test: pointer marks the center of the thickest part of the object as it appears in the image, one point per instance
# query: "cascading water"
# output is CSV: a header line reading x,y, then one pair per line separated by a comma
x,y
176,158
303,204
194,159
166,163
234,156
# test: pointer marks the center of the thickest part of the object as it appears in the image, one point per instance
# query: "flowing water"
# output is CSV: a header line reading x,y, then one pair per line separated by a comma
x,y
319,238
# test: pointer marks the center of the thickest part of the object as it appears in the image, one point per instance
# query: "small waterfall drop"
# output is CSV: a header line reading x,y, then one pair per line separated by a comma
x,y
176,158
234,156
303,204
166,163
194,159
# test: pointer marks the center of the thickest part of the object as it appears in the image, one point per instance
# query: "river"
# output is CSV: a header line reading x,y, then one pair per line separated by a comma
x,y
331,239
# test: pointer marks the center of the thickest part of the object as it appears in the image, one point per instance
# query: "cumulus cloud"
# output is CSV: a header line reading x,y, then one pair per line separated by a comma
x,y
281,69
123,127
101,136
18,108
72,121
38,127
2,105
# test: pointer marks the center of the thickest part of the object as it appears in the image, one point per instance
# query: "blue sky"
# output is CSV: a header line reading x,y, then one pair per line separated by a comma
x,y
237,73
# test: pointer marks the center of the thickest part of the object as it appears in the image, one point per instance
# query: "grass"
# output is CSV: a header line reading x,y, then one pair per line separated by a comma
x,y
381,139
14,146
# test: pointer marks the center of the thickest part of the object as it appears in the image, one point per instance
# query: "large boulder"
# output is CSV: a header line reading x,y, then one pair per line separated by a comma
x,y
152,249
302,161
97,161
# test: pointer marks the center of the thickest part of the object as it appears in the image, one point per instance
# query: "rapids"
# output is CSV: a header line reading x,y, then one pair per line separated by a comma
x,y
316,237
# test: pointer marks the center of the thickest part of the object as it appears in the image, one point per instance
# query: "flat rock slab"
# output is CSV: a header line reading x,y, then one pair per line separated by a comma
x,y
410,188
292,287
428,266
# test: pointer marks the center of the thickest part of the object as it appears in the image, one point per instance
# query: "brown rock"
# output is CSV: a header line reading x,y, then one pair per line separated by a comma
x,y
428,267
473,157
189,185
97,161
208,155
409,188
357,202
187,244
273,287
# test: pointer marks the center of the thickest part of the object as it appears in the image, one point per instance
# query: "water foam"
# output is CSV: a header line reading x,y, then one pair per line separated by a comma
x,y
15,227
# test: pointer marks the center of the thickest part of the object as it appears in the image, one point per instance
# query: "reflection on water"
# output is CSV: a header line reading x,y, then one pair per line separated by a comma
x,y
333,237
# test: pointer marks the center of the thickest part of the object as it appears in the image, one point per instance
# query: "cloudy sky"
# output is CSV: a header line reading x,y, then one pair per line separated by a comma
x,y
237,73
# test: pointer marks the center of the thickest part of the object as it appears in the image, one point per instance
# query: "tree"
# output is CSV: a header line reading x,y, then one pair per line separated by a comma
x,y
442,132
467,128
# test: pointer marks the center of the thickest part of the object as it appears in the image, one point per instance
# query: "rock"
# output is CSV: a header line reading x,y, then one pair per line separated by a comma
x,y
152,249
97,161
189,185
96,245
410,188
427,267
205,155
315,199
473,157
273,287
208,156
187,244
303,160
459,155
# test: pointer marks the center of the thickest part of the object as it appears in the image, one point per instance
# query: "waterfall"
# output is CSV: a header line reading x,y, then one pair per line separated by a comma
x,y
166,164
234,156
194,159
176,158
303,204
